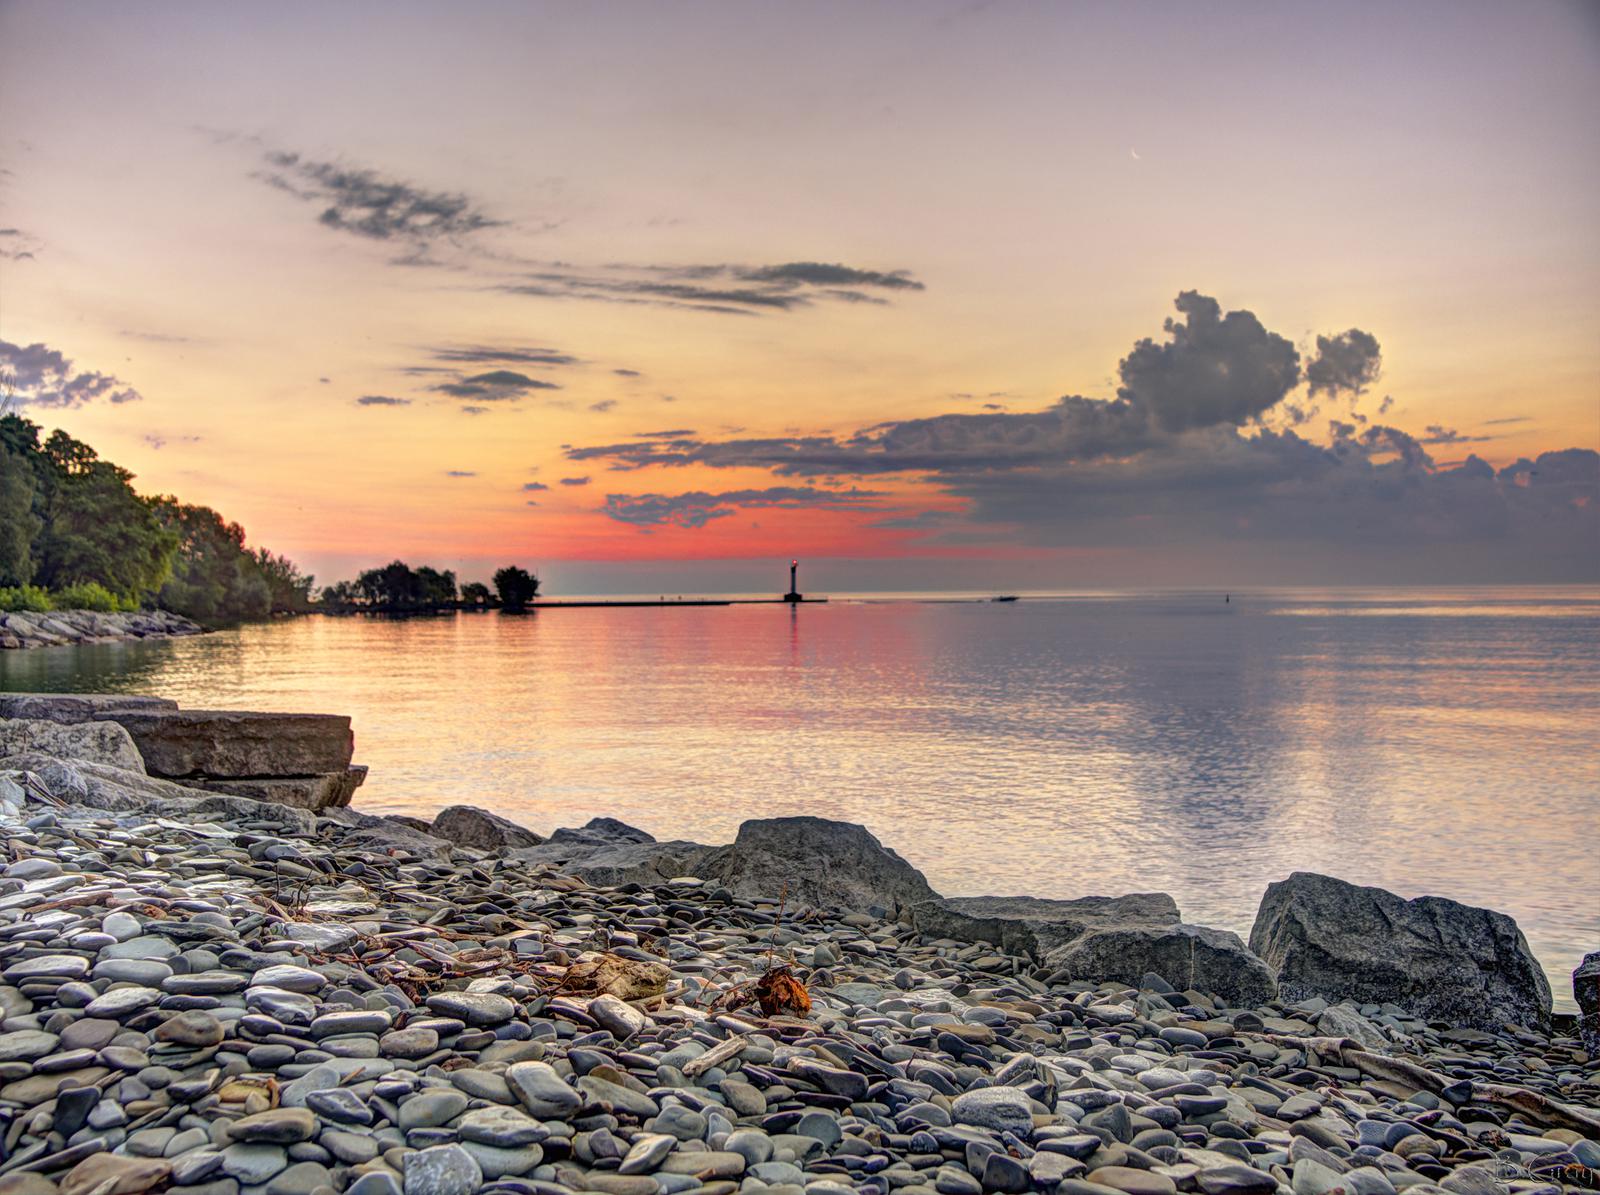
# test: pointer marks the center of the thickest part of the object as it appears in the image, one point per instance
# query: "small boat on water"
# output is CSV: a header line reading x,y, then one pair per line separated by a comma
x,y
1004,597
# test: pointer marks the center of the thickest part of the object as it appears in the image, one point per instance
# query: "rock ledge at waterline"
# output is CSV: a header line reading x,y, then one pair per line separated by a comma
x,y
214,995
59,628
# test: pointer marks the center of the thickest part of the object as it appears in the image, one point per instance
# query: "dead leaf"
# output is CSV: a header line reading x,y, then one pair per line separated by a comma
x,y
778,992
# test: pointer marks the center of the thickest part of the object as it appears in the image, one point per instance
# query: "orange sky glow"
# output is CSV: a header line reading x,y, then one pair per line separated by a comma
x,y
374,272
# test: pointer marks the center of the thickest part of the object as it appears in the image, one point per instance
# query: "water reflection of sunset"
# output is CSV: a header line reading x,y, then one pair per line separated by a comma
x,y
1118,744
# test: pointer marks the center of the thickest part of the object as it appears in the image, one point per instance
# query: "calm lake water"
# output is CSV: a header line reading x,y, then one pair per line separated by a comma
x,y
1428,742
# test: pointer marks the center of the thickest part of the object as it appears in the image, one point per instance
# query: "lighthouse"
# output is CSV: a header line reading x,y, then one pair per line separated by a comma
x,y
794,590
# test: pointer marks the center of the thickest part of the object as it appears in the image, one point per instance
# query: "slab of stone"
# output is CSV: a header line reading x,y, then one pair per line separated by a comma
x,y
237,744
76,707
330,790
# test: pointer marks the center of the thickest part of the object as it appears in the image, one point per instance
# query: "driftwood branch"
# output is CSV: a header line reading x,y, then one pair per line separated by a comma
x,y
1398,1070
716,1055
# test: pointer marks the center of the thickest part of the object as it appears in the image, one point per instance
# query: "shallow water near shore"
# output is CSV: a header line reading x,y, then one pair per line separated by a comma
x,y
1438,741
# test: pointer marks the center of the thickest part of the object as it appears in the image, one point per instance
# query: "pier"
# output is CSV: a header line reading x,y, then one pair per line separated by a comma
x,y
792,598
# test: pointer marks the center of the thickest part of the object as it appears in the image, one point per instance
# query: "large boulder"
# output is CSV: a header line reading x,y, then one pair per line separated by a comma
x,y
1439,959
1186,956
1103,939
467,825
609,853
380,835
95,742
237,744
1586,991
811,860
76,707
1033,926
601,830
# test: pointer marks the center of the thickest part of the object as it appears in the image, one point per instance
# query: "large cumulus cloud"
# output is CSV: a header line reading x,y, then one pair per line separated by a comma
x,y
1205,442
1211,369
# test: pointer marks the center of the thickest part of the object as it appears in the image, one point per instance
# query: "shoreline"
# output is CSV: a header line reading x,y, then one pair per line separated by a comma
x,y
224,996
23,630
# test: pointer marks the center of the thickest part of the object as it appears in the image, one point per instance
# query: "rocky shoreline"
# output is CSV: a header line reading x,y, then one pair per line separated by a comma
x,y
218,995
59,628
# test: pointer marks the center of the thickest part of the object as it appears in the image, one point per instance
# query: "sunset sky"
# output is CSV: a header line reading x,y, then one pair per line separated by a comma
x,y
971,295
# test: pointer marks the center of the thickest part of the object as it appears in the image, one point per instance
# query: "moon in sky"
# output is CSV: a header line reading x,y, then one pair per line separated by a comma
x,y
1133,153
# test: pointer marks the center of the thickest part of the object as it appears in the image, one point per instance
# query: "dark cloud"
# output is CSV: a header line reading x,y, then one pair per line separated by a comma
x,y
1375,490
938,444
627,373
533,487
671,433
574,481
489,355
605,404
459,473
1508,419
368,204
157,337
159,440
1345,364
814,273
497,385
382,400
509,377
1437,434
39,376
472,410
16,245
697,508
925,520
717,289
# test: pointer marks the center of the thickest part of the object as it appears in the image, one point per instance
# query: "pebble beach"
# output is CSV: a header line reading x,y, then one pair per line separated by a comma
x,y
255,1001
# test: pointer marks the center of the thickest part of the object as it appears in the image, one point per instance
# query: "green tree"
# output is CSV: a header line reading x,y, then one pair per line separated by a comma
x,y
517,587
19,524
21,499
340,593
290,589
214,578
395,586
437,588
96,528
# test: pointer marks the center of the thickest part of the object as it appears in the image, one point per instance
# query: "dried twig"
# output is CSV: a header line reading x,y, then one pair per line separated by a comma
x,y
1400,1070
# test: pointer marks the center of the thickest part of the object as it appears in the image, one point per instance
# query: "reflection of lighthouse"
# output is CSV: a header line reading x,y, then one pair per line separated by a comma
x,y
794,590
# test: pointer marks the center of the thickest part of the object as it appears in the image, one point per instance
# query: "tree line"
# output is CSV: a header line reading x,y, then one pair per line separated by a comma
x,y
75,534
399,588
